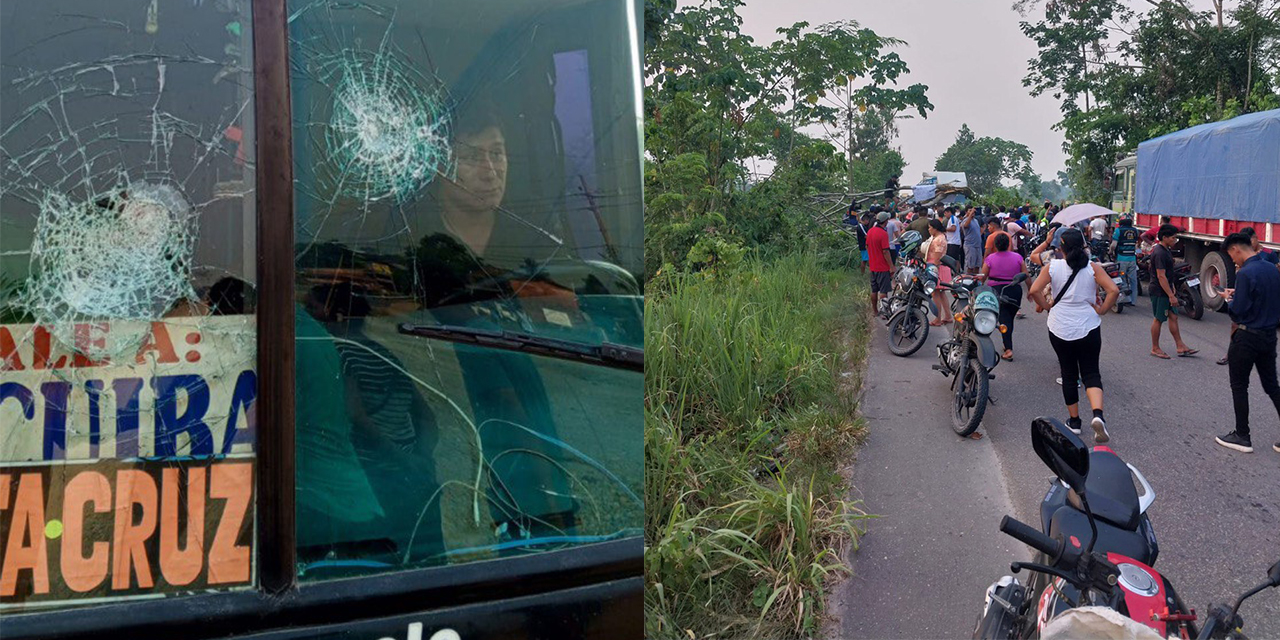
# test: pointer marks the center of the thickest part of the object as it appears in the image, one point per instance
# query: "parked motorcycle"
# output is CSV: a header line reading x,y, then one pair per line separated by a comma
x,y
1186,285
1116,273
969,356
907,310
1096,548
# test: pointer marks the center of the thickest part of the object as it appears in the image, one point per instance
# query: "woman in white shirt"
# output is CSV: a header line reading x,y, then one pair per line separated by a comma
x,y
1075,324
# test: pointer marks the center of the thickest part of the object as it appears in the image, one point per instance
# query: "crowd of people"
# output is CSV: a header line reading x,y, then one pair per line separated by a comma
x,y
995,245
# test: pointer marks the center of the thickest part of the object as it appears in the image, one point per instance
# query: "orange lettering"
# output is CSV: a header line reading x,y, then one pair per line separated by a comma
x,y
83,573
133,487
9,358
229,562
89,340
158,341
180,567
27,524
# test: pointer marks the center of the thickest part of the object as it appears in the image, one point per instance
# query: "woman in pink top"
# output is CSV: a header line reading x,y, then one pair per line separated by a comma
x,y
999,270
937,249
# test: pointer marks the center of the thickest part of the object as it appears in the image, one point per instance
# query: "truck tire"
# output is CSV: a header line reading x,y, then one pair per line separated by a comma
x,y
1217,271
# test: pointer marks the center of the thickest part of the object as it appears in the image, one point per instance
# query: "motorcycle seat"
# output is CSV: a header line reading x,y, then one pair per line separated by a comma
x,y
1112,496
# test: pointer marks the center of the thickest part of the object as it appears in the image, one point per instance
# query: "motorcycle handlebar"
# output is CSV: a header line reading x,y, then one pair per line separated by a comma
x,y
1032,537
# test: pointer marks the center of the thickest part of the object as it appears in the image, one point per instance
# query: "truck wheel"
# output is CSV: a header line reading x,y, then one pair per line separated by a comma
x,y
1217,272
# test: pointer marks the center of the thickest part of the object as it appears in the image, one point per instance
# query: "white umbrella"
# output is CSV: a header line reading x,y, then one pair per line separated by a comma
x,y
1077,212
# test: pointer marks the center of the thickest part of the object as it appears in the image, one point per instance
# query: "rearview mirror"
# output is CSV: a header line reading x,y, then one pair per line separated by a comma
x,y
950,262
1019,279
1062,451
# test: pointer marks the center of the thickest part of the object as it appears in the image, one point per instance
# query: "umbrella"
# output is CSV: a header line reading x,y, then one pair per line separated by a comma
x,y
1077,212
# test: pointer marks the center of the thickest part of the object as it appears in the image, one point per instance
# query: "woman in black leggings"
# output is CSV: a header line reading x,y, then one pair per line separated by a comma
x,y
999,270
1075,325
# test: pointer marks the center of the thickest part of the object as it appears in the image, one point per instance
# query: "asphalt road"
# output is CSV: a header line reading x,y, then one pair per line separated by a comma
x,y
923,566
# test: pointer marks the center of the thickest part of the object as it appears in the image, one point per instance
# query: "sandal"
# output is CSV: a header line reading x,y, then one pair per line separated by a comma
x,y
1007,356
1223,360
1188,353
1161,355
936,323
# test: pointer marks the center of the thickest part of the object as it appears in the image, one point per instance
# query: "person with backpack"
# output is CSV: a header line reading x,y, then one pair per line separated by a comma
x,y
1124,243
1075,324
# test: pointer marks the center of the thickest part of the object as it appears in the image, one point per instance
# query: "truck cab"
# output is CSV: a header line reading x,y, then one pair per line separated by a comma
x,y
1125,172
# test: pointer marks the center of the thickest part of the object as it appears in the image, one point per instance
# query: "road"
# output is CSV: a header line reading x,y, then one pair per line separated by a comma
x,y
922,567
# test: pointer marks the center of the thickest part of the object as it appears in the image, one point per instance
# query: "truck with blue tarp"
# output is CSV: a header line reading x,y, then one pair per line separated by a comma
x,y
1212,180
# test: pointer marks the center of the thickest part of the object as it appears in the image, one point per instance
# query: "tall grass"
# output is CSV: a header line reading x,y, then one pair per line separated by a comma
x,y
746,423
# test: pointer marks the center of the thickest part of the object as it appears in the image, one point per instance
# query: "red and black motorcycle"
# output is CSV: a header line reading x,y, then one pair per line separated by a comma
x,y
1095,557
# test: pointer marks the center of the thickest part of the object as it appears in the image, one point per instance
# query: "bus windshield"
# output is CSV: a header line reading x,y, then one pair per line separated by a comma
x,y
468,243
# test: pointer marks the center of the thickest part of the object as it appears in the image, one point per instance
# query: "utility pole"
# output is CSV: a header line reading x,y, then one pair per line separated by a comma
x,y
848,88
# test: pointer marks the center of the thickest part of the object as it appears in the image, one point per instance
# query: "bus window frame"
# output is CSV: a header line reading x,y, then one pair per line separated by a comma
x,y
278,602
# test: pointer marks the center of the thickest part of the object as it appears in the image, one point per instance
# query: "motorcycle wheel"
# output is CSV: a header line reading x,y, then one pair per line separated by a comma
x,y
908,331
1191,303
970,400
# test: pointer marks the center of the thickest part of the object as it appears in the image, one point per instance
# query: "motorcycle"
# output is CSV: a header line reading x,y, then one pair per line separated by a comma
x,y
907,310
1095,549
1033,269
970,356
1116,273
1186,285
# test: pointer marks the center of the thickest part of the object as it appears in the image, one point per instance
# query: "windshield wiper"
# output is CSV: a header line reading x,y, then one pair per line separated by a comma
x,y
605,354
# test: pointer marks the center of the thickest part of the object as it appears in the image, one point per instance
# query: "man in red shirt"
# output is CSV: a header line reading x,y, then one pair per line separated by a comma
x,y
1149,236
879,260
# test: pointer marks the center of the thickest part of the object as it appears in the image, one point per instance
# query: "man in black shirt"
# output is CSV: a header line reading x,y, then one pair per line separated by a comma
x,y
891,189
1255,307
1164,301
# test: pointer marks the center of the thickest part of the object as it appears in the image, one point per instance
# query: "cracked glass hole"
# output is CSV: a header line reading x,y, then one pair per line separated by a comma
x,y
127,328
468,240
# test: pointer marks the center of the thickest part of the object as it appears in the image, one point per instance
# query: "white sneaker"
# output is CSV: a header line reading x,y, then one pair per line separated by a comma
x,y
1075,430
1100,430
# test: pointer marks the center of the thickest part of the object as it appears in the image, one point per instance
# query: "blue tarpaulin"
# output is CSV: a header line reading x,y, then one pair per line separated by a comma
x,y
1227,170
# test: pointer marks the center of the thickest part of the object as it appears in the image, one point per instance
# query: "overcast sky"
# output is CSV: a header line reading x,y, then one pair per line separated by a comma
x,y
969,53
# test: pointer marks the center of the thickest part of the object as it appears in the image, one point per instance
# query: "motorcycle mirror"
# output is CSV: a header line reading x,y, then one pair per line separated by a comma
x,y
1062,451
950,262
1019,279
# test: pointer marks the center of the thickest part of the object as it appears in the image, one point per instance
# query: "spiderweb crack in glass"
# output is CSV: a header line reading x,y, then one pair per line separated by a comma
x,y
388,134
109,164
127,255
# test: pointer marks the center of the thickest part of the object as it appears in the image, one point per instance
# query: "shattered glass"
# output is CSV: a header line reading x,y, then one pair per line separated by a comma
x,y
468,172
127,334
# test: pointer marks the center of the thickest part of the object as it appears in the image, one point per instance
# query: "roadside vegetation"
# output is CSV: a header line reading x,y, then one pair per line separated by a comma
x,y
755,317
750,387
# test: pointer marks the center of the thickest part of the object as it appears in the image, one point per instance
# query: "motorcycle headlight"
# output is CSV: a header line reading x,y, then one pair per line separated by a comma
x,y
930,285
984,322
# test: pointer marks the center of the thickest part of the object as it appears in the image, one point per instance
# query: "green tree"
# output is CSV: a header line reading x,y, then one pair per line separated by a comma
x,y
986,161
1122,76
715,101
